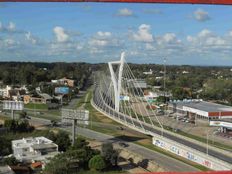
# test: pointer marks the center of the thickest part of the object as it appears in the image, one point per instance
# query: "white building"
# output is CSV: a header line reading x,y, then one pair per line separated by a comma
x,y
4,92
150,72
34,149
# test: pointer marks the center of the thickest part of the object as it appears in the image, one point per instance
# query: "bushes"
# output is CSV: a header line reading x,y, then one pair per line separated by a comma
x,y
18,126
97,163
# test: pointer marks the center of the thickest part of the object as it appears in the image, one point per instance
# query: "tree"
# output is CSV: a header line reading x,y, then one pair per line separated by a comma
x,y
97,163
5,146
10,161
53,123
109,154
23,115
62,140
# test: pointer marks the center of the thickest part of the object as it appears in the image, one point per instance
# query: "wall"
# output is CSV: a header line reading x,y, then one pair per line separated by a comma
x,y
191,154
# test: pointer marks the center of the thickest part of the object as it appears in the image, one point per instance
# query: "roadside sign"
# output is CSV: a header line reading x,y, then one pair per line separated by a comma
x,y
82,116
13,105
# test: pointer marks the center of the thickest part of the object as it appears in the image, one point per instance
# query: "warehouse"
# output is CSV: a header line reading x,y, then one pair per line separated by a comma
x,y
200,109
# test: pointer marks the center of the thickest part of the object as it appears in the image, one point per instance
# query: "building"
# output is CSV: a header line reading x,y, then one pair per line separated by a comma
x,y
200,109
64,81
34,149
41,98
150,72
224,125
4,92
138,83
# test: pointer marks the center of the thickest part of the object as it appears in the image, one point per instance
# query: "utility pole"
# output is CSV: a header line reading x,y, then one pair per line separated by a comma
x,y
207,144
165,79
164,94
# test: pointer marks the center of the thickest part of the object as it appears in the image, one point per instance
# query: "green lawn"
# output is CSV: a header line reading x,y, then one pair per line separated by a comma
x,y
36,106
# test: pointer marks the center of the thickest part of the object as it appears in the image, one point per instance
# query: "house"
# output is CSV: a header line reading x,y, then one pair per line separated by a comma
x,y
34,149
41,98
150,72
64,81
4,92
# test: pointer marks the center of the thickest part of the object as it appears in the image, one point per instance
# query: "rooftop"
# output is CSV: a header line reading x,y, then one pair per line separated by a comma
x,y
203,106
28,142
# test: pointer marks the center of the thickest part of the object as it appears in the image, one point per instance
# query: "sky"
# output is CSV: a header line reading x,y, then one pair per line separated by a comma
x,y
99,32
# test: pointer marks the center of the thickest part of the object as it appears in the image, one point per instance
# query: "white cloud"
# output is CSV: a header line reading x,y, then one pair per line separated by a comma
x,y
205,33
9,42
125,12
96,42
30,38
230,33
11,26
168,39
61,35
103,34
201,15
143,34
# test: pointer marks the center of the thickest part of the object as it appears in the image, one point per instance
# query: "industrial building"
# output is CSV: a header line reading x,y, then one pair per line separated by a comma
x,y
34,149
200,109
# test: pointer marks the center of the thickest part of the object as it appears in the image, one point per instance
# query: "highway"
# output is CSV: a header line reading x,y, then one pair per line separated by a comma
x,y
170,164
111,112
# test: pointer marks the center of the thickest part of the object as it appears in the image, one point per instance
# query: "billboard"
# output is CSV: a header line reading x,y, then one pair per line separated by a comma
x,y
221,124
13,105
62,90
82,116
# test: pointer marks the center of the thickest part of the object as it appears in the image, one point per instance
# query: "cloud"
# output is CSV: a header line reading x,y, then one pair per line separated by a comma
x,y
125,12
102,34
201,15
61,35
30,38
11,26
143,34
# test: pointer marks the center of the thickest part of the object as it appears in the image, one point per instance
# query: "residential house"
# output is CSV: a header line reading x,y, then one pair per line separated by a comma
x,y
34,149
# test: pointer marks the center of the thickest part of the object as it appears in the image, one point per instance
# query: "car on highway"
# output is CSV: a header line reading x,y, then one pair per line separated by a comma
x,y
123,144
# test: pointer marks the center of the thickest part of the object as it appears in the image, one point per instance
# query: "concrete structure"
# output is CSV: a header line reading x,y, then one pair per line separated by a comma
x,y
200,109
34,149
64,81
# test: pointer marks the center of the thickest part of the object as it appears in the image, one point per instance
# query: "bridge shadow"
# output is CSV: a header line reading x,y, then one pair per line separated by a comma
x,y
126,138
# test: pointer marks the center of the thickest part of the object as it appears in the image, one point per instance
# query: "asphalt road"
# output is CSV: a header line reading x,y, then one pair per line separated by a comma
x,y
170,164
138,124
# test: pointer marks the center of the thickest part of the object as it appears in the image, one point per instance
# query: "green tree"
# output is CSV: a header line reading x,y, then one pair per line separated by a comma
x,y
23,115
62,140
110,154
10,161
11,125
5,146
97,163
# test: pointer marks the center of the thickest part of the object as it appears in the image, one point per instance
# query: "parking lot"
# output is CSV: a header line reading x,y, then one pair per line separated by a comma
x,y
195,127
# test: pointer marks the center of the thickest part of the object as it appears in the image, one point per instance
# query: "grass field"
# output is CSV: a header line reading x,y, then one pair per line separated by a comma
x,y
36,106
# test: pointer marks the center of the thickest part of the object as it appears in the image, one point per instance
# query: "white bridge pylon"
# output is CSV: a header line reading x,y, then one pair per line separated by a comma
x,y
117,83
118,94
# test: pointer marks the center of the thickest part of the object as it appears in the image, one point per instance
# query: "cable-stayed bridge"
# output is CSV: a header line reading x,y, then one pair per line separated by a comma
x,y
117,94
